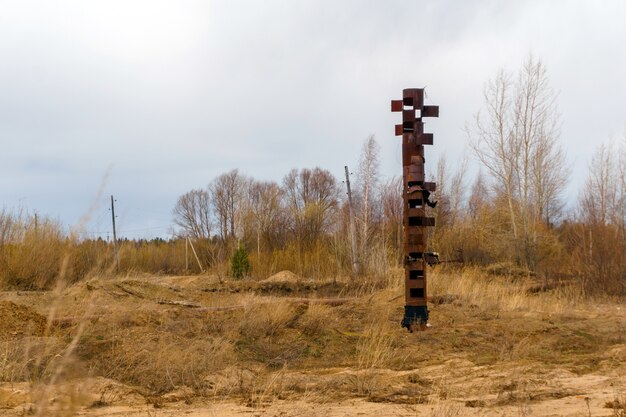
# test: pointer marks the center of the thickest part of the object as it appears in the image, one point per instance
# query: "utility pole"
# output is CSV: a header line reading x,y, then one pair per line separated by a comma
x,y
187,255
355,260
195,254
114,233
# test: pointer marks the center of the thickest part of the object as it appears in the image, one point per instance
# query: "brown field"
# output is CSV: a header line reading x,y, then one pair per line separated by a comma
x,y
287,346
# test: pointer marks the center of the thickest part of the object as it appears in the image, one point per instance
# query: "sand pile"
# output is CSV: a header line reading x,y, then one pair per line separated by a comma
x,y
284,276
18,320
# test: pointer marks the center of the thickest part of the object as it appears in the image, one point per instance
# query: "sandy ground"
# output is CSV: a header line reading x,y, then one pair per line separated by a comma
x,y
464,389
456,386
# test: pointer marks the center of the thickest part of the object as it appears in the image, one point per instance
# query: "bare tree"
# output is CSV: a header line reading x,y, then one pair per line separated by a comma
x,y
311,197
602,232
550,178
492,140
600,198
193,214
267,211
367,182
516,140
479,195
227,193
544,171
392,207
621,202
450,191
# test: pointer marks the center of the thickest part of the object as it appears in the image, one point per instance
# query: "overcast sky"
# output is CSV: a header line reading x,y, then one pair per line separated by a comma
x,y
147,100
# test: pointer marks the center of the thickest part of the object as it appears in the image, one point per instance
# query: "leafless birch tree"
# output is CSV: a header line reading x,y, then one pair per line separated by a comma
x,y
367,182
451,187
516,139
603,198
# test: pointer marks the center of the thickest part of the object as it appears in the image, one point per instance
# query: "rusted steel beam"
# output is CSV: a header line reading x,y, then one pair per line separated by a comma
x,y
430,111
416,196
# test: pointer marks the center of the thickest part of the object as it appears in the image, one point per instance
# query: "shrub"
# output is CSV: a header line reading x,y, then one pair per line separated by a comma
x,y
239,264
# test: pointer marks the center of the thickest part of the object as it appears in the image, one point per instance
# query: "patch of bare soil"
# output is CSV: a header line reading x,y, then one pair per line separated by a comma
x,y
456,388
17,320
14,395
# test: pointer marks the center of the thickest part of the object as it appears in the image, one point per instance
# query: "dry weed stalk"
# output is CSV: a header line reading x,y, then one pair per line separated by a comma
x,y
375,348
44,390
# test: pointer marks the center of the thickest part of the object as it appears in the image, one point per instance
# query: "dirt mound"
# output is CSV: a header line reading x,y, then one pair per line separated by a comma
x,y
19,320
283,276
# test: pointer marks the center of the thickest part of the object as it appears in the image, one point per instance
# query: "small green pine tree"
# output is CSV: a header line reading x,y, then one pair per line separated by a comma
x,y
239,263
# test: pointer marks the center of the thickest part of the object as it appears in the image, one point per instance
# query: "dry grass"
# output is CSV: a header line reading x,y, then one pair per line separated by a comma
x,y
266,319
272,349
376,347
506,293
374,351
317,320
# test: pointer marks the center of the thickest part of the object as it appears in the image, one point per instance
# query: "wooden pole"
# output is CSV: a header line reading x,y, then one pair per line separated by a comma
x,y
115,257
196,255
186,254
355,259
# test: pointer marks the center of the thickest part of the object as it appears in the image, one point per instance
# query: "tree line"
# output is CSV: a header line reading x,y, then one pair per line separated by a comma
x,y
509,215
301,222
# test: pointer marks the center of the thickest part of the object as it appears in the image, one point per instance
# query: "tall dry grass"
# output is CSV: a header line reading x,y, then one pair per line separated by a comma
x,y
506,293
35,251
31,251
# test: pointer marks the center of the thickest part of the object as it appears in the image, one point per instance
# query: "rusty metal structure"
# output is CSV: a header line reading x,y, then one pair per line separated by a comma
x,y
416,196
